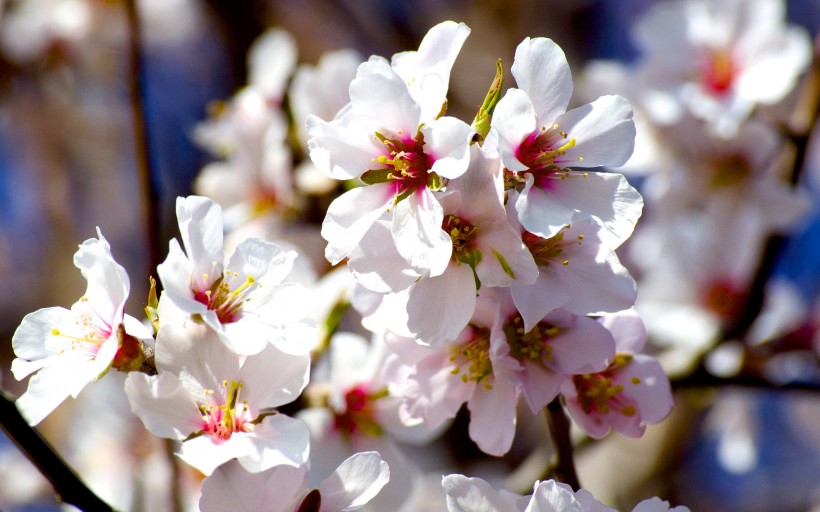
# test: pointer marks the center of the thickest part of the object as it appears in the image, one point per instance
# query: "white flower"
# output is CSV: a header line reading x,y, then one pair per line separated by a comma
x,y
390,135
218,403
243,299
285,489
730,55
540,143
70,348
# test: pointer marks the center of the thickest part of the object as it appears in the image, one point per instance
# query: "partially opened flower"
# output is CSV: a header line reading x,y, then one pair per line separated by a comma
x,y
71,348
219,404
243,299
540,145
285,488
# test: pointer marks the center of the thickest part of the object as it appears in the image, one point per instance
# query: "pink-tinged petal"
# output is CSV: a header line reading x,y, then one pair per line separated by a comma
x,y
427,71
647,384
548,496
433,393
376,263
474,495
205,456
341,149
514,119
589,503
476,195
541,69
200,226
535,301
418,235
592,424
350,216
231,487
272,378
354,483
540,385
627,329
492,417
541,212
504,257
164,405
380,98
447,140
603,130
584,347
440,307
602,198
597,286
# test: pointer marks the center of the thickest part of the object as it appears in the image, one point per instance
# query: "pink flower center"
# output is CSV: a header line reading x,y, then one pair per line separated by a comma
x,y
598,394
532,344
406,166
471,359
359,413
220,421
225,298
88,334
718,72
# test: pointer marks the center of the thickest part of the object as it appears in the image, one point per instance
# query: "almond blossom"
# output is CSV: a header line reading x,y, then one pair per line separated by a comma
x,y
391,136
243,299
476,495
731,55
218,404
540,145
631,392
486,251
70,348
285,488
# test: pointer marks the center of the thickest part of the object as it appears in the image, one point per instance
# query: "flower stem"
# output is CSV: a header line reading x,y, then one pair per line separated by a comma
x,y
564,468
68,486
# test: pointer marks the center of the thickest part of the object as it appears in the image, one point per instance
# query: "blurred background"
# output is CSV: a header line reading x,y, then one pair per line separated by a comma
x,y
68,165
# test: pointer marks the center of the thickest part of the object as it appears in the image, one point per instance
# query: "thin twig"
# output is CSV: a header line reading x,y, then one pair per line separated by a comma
x,y
564,469
142,149
67,485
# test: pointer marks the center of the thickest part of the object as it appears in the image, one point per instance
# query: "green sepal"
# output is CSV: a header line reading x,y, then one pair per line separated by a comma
x,y
481,123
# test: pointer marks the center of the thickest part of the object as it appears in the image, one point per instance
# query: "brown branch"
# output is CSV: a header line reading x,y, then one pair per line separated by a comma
x,y
564,468
67,485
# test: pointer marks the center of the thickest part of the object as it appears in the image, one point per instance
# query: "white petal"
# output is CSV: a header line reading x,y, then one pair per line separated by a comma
x,y
231,487
200,225
341,149
514,119
354,483
473,495
273,378
440,307
603,130
447,141
376,263
164,405
541,69
418,235
492,417
350,216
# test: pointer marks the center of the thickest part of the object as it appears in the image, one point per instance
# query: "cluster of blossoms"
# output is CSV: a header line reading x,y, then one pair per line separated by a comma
x,y
715,157
480,256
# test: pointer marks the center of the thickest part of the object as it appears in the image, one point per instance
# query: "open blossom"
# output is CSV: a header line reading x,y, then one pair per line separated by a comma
x,y
631,392
220,404
243,299
476,495
70,348
486,251
577,272
730,55
286,488
434,382
540,145
391,136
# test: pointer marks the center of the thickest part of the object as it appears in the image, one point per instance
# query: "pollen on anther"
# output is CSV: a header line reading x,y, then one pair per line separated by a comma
x,y
55,332
635,380
566,262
